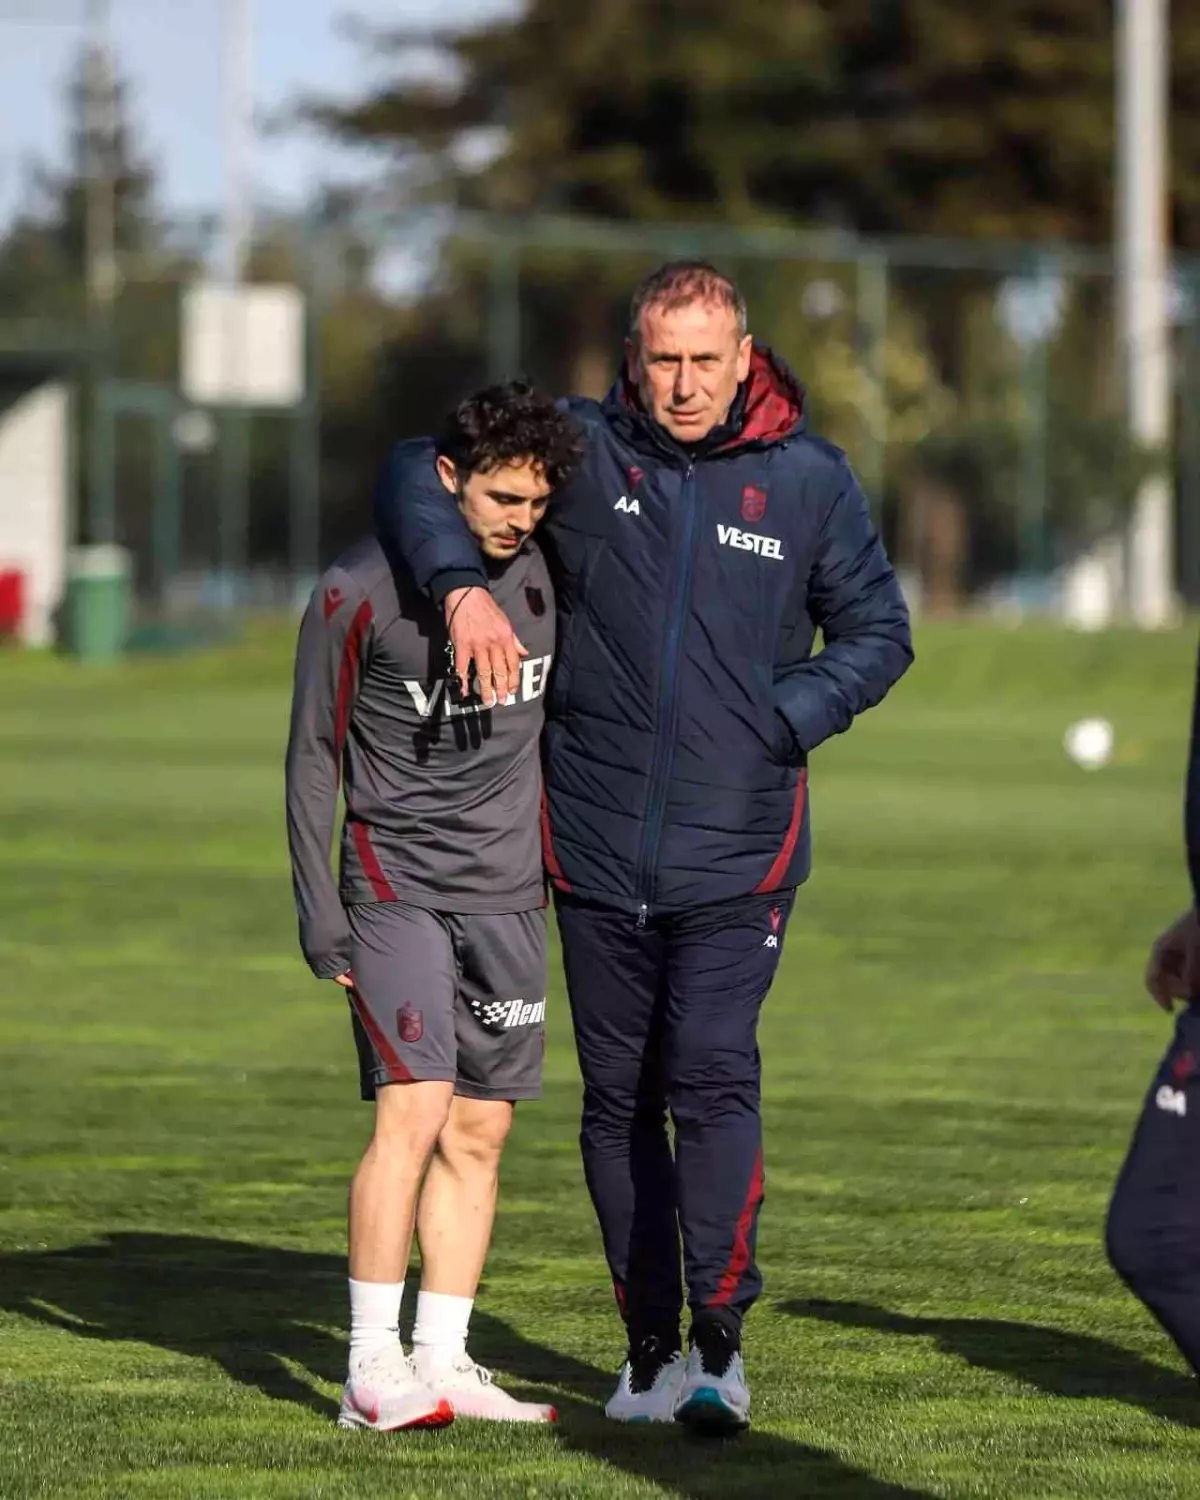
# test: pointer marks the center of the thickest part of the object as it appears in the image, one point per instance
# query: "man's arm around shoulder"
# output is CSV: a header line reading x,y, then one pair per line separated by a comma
x,y
418,521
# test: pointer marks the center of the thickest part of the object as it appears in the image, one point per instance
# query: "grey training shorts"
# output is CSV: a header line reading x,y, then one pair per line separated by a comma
x,y
451,997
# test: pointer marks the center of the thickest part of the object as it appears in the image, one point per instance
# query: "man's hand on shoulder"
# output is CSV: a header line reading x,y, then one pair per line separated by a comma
x,y
480,632
1173,972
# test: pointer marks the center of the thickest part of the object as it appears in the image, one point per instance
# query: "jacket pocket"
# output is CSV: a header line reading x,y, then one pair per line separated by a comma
x,y
786,750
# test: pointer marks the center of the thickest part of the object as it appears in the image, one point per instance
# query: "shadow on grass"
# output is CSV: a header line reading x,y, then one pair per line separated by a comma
x,y
1062,1364
255,1310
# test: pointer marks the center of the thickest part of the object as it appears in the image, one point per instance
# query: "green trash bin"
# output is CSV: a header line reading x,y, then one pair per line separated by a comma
x,y
98,602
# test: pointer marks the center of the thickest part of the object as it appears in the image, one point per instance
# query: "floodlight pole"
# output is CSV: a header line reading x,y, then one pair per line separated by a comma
x,y
233,515
1142,46
100,257
239,137
100,228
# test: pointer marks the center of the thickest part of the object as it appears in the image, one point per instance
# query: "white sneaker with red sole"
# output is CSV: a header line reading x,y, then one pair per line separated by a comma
x,y
387,1394
472,1392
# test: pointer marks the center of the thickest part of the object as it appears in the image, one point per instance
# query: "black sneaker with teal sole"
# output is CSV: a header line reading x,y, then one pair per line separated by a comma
x,y
648,1390
714,1398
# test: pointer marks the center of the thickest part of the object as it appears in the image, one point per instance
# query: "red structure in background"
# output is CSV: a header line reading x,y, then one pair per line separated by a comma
x,y
12,602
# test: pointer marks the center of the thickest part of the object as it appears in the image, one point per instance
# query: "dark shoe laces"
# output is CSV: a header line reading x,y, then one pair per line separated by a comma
x,y
717,1345
647,1360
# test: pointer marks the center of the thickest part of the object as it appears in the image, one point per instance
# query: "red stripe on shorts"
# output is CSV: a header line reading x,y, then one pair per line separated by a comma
x,y
384,1050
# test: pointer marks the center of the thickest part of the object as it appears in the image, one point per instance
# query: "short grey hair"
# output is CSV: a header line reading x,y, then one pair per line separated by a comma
x,y
681,282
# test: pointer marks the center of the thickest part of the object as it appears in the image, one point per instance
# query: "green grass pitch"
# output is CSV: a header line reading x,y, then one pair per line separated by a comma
x,y
954,1054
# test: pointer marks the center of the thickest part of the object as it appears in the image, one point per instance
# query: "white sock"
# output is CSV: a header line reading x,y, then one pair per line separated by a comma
x,y
440,1331
374,1318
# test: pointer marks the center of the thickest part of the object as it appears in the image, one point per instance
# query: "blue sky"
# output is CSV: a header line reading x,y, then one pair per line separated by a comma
x,y
170,50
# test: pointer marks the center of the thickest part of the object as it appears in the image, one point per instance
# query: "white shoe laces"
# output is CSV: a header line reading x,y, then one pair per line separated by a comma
x,y
463,1364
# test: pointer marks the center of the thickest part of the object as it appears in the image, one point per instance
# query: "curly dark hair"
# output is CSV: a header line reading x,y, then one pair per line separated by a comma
x,y
508,423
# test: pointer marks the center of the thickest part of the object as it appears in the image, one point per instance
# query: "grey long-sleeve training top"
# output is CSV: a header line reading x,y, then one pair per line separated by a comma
x,y
442,798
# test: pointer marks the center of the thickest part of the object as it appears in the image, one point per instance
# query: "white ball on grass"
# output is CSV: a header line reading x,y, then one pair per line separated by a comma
x,y
1089,743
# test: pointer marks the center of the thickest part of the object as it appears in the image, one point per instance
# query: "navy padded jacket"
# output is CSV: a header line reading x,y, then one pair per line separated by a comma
x,y
685,697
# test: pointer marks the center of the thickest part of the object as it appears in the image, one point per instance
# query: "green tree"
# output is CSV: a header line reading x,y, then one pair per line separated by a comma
x,y
43,258
906,116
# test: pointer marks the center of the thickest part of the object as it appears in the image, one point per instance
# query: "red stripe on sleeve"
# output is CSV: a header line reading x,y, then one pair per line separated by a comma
x,y
348,675
348,678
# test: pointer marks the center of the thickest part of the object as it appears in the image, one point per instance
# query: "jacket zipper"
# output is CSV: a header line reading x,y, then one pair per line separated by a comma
x,y
668,703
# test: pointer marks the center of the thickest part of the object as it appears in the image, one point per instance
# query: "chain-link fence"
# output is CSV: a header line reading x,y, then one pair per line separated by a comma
x,y
978,389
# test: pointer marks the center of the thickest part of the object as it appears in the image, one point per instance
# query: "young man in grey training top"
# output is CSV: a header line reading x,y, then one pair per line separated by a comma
x,y
437,929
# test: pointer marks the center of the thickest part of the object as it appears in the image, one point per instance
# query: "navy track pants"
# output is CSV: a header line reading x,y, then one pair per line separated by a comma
x,y
666,1020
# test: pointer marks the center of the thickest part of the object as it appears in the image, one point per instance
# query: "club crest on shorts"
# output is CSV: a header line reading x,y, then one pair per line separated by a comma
x,y
754,503
410,1024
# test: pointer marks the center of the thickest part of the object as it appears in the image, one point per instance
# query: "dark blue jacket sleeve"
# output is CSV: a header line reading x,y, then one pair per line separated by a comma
x,y
416,519
1192,816
854,598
